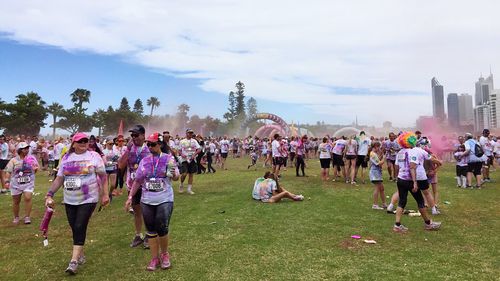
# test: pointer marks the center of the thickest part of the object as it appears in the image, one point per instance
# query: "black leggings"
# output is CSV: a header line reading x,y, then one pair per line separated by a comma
x,y
209,163
157,218
404,186
120,174
300,163
78,218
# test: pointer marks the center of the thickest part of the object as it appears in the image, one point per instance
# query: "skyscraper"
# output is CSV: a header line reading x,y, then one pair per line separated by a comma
x,y
483,89
465,110
453,110
437,99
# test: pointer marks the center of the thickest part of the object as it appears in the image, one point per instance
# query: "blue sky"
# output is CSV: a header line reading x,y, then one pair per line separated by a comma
x,y
321,61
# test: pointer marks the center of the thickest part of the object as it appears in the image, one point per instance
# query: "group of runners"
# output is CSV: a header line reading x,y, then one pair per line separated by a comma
x,y
92,171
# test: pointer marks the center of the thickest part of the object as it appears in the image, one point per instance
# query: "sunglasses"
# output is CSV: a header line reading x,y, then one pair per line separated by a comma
x,y
83,141
151,144
134,135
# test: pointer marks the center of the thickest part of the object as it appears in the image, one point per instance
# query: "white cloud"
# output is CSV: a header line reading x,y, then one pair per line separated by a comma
x,y
287,51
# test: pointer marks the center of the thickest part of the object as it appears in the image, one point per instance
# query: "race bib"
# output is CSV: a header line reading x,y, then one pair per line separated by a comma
x,y
110,166
401,157
72,183
155,185
23,179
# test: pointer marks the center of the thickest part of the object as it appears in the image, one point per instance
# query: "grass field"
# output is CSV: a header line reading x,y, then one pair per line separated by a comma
x,y
220,233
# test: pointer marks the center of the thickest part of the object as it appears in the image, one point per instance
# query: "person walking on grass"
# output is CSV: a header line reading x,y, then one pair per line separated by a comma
x,y
362,158
135,151
376,162
411,178
301,152
475,160
19,177
351,155
83,176
154,177
189,148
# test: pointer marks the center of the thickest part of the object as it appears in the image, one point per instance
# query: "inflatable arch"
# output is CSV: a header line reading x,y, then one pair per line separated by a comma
x,y
267,116
265,130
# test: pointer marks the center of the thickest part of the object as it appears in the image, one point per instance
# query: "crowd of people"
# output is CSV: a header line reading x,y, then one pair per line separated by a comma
x,y
93,170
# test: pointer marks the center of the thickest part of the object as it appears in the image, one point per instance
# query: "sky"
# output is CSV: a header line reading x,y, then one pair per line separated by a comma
x,y
305,61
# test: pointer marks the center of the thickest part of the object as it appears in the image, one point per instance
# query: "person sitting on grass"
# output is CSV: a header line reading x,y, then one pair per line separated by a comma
x,y
267,189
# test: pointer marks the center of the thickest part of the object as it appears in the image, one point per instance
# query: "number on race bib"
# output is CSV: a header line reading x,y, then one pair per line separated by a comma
x,y
23,179
155,185
72,183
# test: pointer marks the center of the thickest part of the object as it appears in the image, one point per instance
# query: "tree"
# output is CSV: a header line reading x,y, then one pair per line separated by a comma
x,y
182,116
99,117
138,108
229,115
153,102
239,109
25,115
75,119
55,109
251,107
124,106
79,96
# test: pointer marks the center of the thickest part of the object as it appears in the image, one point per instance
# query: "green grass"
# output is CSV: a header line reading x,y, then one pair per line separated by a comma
x,y
222,234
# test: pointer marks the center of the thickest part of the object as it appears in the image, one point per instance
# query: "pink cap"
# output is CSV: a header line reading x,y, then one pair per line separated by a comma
x,y
154,137
78,136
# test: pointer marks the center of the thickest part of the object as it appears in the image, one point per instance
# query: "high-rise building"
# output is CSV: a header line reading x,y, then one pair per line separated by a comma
x,y
453,110
481,117
495,108
465,110
483,89
437,99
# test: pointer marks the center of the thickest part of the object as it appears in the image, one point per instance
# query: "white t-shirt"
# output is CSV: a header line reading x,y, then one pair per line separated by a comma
x,y
224,146
275,147
486,145
351,147
339,146
363,146
324,150
57,150
462,161
188,148
415,155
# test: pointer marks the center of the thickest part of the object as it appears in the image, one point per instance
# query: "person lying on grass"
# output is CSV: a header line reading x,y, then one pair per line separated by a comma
x,y
267,189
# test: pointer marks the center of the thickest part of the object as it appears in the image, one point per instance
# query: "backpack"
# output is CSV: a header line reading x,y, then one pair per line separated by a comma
x,y
478,150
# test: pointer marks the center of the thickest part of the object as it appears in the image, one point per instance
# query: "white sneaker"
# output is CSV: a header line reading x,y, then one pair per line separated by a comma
x,y
299,197
390,208
435,211
189,191
377,207
432,226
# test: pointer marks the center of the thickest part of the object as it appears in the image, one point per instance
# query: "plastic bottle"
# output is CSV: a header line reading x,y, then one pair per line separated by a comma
x,y
44,226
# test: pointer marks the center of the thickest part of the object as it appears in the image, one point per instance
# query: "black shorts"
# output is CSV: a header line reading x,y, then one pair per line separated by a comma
x,y
338,160
361,161
325,163
490,160
189,168
350,157
223,155
235,151
461,170
136,200
278,161
475,168
3,163
391,161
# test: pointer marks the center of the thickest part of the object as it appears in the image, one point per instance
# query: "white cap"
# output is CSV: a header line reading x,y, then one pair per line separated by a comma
x,y
22,145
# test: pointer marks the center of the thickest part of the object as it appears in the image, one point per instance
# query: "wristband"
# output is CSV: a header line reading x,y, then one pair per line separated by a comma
x,y
130,198
50,193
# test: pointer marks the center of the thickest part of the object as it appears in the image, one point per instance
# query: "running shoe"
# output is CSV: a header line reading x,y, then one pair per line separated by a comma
x,y
15,220
153,264
72,267
299,197
432,226
131,210
165,260
81,260
190,192
27,220
146,242
435,211
400,229
377,207
137,241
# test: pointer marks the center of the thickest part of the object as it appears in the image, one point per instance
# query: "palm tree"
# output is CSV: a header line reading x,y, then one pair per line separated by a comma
x,y
153,102
55,109
79,96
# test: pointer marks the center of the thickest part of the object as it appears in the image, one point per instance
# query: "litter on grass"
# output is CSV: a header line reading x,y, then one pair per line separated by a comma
x,y
356,236
369,241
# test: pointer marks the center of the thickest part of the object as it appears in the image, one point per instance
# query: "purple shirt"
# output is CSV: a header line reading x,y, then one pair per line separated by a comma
x,y
135,155
152,174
